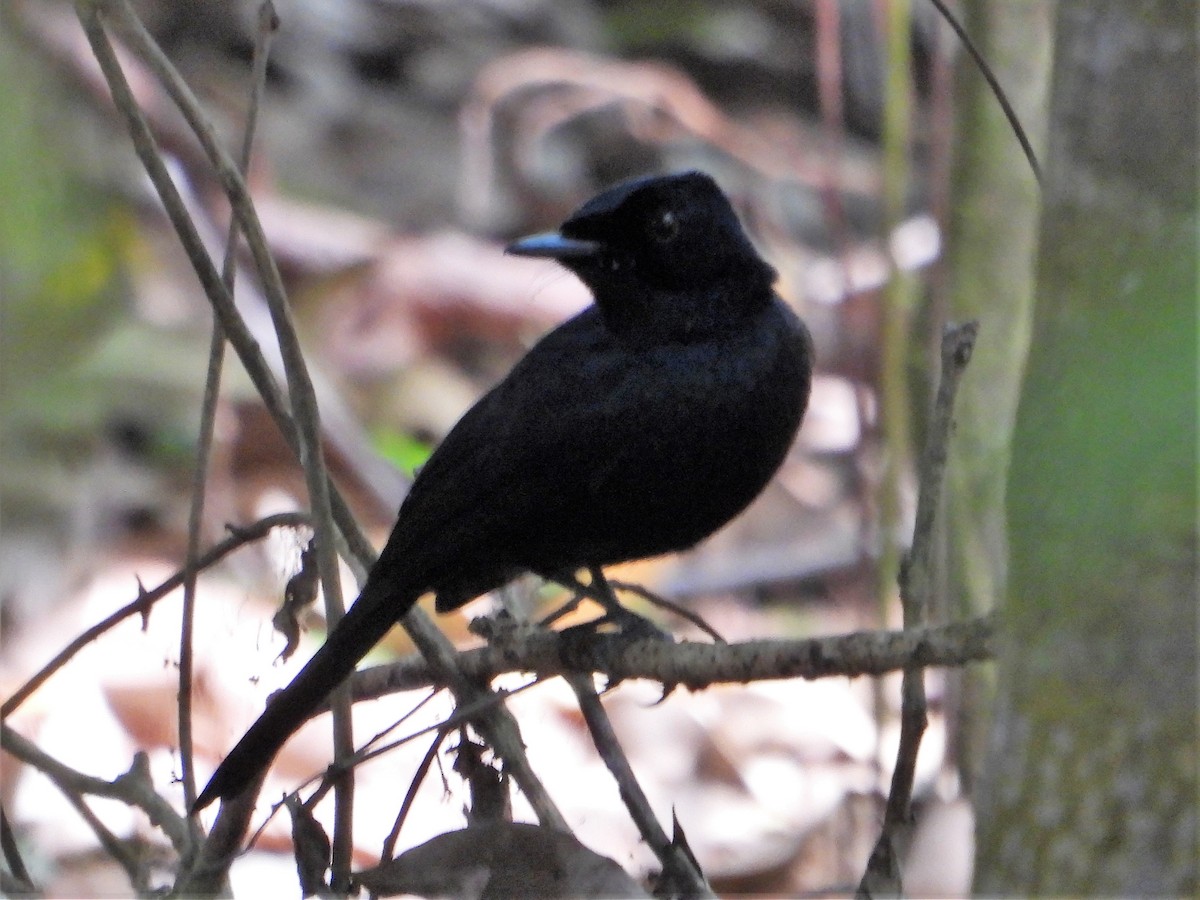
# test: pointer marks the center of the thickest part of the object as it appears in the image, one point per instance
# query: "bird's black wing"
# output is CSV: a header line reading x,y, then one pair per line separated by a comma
x,y
592,451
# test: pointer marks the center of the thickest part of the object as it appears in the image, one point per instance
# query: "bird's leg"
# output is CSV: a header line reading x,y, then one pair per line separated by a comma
x,y
626,619
674,608
599,590
629,622
603,592
578,592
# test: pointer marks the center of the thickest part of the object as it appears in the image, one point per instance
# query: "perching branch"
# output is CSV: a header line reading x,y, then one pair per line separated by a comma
x,y
696,665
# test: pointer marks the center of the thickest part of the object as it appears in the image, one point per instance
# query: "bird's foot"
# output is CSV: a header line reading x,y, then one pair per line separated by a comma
x,y
623,619
631,624
626,622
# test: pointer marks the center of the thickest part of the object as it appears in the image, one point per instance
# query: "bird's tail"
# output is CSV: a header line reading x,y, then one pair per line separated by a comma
x,y
378,607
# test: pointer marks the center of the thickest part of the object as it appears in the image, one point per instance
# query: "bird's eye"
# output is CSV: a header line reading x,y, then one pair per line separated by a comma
x,y
664,227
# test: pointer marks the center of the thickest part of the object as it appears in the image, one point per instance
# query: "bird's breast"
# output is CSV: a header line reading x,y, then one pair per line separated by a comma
x,y
715,422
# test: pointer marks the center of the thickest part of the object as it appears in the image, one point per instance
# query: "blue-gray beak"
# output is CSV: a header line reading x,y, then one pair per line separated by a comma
x,y
552,245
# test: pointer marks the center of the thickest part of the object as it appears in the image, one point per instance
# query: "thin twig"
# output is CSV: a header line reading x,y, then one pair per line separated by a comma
x,y
917,577
678,867
989,76
600,590
268,24
663,603
300,392
958,343
464,713
496,723
109,842
12,854
208,415
379,736
367,751
410,796
147,598
132,788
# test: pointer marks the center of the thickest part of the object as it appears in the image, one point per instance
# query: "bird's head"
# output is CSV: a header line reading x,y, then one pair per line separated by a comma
x,y
664,255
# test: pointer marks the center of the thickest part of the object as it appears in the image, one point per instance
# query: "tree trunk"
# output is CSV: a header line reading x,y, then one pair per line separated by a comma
x,y
990,256
1090,786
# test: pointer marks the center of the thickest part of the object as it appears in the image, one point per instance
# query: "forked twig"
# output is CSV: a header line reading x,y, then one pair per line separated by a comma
x,y
133,788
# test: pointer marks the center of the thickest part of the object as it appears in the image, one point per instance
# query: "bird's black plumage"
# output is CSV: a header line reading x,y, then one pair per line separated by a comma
x,y
637,428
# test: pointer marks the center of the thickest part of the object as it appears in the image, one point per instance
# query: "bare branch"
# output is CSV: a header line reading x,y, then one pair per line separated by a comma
x,y
146,599
300,392
410,796
677,866
268,24
917,577
16,863
499,726
696,665
133,788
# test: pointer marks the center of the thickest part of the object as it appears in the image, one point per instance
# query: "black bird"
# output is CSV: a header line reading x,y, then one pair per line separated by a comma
x,y
637,428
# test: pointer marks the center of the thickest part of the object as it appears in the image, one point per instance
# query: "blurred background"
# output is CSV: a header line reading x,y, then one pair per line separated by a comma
x,y
401,144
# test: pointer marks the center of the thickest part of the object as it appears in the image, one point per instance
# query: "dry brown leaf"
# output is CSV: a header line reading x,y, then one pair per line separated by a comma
x,y
502,859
